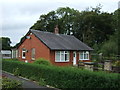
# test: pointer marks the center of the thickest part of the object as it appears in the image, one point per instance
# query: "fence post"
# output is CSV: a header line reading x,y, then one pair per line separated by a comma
x,y
108,65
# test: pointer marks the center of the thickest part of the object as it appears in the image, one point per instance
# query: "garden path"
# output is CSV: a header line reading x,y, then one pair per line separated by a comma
x,y
26,84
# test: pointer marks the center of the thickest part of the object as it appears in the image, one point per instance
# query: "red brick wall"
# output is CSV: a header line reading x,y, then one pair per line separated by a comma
x,y
41,51
52,58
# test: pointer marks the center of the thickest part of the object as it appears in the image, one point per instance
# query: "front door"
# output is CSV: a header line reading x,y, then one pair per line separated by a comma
x,y
74,58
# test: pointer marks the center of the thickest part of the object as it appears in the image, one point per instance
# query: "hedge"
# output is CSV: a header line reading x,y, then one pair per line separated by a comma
x,y
63,77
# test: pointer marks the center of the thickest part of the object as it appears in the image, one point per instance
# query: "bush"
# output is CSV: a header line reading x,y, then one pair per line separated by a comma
x,y
116,63
9,83
64,77
42,61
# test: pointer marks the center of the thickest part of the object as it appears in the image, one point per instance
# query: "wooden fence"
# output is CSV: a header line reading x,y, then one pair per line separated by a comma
x,y
104,66
101,58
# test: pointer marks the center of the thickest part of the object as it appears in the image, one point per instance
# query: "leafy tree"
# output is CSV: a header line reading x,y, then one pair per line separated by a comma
x,y
5,43
67,19
98,29
63,17
90,26
46,22
111,47
116,25
94,28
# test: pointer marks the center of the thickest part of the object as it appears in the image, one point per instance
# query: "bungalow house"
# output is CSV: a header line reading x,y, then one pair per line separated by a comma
x,y
60,49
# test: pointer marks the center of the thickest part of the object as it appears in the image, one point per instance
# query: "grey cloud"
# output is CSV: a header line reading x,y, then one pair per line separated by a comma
x,y
19,15
8,27
15,34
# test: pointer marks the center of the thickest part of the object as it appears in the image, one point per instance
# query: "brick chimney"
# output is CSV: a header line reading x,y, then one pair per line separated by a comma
x,y
56,30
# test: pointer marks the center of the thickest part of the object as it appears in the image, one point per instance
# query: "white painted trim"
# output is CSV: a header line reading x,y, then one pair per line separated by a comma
x,y
61,61
84,59
23,51
75,58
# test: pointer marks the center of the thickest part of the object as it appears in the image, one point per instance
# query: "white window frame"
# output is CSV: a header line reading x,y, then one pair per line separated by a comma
x,y
16,53
33,54
23,51
62,53
83,57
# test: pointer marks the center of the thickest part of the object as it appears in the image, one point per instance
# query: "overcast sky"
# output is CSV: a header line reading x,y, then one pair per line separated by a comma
x,y
17,16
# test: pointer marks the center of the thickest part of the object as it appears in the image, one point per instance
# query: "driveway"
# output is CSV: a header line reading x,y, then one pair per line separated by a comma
x,y
26,83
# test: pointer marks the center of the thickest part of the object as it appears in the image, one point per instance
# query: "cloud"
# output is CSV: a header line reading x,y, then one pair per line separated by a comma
x,y
20,21
19,15
15,34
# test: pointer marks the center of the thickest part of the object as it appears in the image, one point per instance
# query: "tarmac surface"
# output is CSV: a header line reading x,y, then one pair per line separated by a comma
x,y
26,84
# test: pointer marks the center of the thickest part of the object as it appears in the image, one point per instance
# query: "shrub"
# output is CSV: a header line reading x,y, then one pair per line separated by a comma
x,y
9,83
116,63
42,61
64,77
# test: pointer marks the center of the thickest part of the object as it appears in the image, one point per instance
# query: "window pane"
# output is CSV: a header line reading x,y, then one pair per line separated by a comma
x,y
67,57
85,56
57,52
81,55
57,56
23,54
62,52
62,57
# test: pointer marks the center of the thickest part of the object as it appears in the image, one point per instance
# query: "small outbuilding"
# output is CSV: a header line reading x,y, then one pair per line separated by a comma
x,y
6,54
